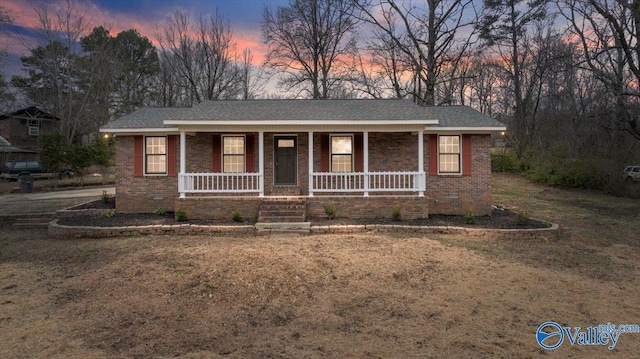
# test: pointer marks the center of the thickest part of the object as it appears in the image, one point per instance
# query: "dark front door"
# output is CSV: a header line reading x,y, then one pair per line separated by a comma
x,y
286,158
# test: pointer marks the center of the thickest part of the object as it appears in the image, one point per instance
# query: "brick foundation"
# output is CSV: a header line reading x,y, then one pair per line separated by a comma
x,y
411,207
219,207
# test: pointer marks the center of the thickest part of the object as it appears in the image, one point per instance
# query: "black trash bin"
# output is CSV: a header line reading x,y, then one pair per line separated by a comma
x,y
26,184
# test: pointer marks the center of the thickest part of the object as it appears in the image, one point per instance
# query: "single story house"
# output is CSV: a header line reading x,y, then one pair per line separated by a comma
x,y
362,156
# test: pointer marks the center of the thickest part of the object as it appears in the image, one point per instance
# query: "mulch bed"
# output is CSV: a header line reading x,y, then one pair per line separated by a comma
x,y
99,204
141,219
500,218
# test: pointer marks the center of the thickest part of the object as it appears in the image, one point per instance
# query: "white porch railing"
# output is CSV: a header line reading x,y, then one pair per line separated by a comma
x,y
219,182
367,182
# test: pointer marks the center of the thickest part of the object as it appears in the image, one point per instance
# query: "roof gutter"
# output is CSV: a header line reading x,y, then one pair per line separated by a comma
x,y
298,122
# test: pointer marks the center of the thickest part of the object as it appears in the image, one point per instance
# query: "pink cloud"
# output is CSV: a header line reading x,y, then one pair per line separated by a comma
x,y
25,15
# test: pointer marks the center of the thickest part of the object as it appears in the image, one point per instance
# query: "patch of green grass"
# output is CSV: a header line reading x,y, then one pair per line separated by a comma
x,y
586,215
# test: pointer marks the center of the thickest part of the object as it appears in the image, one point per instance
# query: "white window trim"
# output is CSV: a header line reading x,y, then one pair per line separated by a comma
x,y
34,131
166,157
459,173
244,155
353,154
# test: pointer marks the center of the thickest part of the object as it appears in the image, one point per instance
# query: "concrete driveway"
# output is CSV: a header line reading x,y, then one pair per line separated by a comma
x,y
42,202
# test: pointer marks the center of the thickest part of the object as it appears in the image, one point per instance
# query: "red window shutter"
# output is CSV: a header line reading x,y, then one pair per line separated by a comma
x,y
217,154
172,141
138,154
358,153
324,152
249,153
466,155
433,155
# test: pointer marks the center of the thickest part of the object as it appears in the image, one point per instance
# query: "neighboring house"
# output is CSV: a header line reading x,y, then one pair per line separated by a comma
x,y
23,127
363,156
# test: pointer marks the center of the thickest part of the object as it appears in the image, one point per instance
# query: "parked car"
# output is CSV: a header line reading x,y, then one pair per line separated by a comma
x,y
15,169
632,173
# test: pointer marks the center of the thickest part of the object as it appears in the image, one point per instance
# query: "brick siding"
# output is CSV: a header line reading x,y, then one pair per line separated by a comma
x,y
141,194
457,194
445,194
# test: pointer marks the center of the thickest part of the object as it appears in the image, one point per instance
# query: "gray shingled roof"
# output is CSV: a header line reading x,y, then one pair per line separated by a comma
x,y
4,142
7,147
305,110
460,116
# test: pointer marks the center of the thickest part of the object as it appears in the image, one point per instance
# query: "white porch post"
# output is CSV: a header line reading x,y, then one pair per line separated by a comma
x,y
261,162
183,164
365,149
310,145
421,176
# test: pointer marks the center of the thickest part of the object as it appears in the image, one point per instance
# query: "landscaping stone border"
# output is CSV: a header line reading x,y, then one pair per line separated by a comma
x,y
56,230
59,231
551,233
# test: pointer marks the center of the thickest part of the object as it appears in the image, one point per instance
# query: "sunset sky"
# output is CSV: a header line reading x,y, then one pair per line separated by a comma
x,y
143,15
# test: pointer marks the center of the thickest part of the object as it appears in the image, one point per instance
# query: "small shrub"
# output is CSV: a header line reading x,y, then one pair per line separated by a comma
x,y
522,218
396,212
237,216
330,211
546,224
470,216
159,211
181,215
106,198
110,213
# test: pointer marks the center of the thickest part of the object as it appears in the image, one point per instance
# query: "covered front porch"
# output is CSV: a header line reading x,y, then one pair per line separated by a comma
x,y
346,161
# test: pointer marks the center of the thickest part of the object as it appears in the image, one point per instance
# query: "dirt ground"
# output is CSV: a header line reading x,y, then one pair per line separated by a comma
x,y
330,296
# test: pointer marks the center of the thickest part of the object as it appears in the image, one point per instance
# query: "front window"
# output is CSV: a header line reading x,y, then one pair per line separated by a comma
x,y
233,154
341,153
449,154
155,155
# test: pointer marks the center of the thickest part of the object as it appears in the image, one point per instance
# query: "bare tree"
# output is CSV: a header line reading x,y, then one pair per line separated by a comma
x,y
7,97
203,54
252,77
426,38
608,33
505,27
309,42
54,79
169,88
384,72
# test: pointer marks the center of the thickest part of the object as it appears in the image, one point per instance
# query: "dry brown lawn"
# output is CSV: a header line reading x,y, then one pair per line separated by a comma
x,y
333,296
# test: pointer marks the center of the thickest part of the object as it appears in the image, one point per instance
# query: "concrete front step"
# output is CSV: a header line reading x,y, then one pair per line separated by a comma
x,y
283,226
277,207
278,213
282,219
291,228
